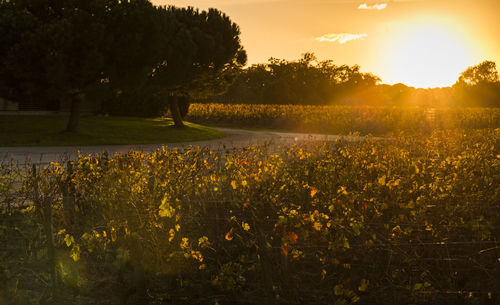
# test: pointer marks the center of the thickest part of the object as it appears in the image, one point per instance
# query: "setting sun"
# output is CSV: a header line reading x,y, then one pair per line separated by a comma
x,y
418,43
428,55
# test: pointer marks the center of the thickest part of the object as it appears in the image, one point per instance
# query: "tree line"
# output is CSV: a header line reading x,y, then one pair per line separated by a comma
x,y
304,81
308,81
55,49
136,58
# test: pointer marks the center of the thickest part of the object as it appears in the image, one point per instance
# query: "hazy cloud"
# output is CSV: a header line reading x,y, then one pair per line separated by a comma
x,y
379,7
340,38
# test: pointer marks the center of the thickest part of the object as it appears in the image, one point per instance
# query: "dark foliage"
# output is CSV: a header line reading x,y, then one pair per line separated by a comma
x,y
479,86
53,50
305,81
308,81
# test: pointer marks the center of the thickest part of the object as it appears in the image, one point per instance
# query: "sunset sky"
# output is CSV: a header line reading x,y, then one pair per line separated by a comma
x,y
422,43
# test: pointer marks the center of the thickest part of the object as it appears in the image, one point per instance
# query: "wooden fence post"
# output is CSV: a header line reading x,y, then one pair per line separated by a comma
x,y
69,201
46,205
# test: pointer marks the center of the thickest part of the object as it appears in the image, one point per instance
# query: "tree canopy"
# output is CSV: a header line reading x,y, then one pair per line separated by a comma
x,y
485,72
303,81
478,86
62,49
201,53
55,49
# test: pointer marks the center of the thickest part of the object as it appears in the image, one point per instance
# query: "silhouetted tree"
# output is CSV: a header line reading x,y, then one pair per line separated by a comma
x,y
135,43
479,86
200,52
304,81
485,72
136,37
53,49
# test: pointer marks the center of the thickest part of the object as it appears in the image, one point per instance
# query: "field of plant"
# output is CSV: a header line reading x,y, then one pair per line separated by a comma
x,y
345,119
413,220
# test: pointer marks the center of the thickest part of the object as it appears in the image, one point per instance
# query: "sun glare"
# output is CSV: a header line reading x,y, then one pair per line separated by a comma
x,y
429,55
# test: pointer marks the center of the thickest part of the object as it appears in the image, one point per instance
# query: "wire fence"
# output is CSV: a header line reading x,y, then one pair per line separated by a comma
x,y
431,263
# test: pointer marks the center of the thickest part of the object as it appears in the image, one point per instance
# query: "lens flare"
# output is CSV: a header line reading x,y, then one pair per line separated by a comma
x,y
428,55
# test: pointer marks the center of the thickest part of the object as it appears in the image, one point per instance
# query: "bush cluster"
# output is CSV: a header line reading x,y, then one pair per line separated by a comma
x,y
405,221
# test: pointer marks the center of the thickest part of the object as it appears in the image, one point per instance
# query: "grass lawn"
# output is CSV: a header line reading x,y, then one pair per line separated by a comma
x,y
27,130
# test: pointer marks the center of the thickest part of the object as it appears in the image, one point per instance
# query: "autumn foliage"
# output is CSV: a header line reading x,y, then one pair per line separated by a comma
x,y
405,221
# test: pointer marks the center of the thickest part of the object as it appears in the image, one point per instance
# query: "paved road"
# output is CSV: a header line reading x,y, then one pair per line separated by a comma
x,y
235,138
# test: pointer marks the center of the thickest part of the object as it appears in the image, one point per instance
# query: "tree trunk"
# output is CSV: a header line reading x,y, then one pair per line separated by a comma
x,y
184,106
74,116
176,114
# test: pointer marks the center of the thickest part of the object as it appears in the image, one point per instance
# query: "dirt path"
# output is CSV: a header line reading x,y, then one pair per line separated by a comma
x,y
235,138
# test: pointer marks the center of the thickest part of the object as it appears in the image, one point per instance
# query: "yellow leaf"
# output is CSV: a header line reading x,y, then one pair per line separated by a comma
x,y
296,253
342,190
166,210
75,253
245,226
197,256
364,285
69,240
317,226
113,234
233,184
418,286
203,241
314,191
244,183
229,235
381,180
184,243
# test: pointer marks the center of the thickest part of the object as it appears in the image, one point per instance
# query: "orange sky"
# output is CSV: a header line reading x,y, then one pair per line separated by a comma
x,y
422,43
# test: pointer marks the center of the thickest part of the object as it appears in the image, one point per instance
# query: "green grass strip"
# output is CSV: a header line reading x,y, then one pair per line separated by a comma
x,y
48,130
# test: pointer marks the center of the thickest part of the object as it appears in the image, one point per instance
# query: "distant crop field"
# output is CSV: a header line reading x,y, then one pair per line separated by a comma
x,y
413,220
345,119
